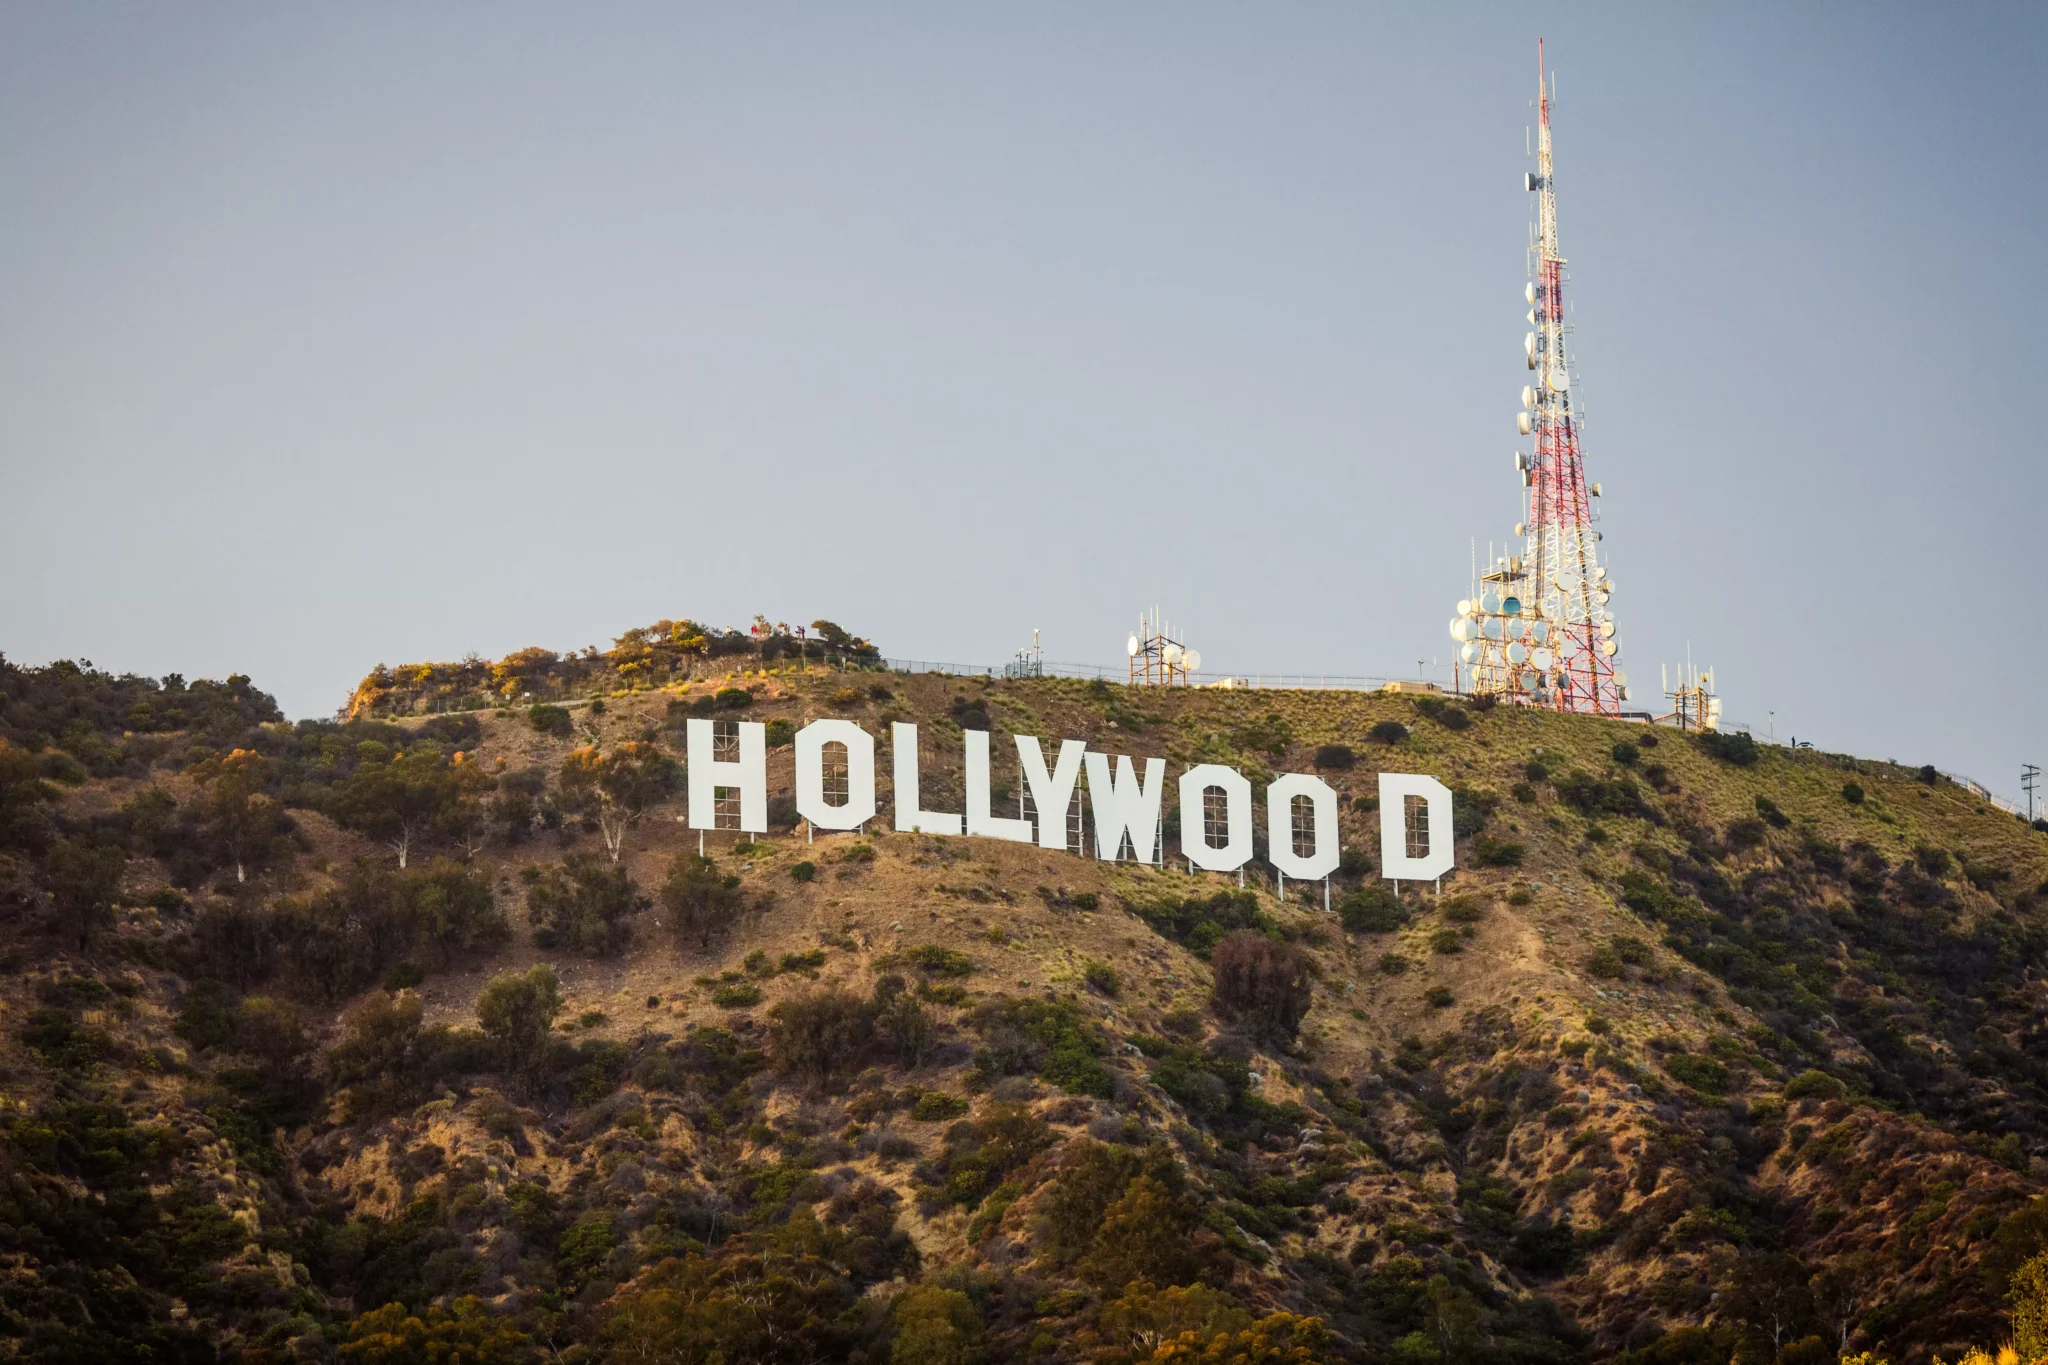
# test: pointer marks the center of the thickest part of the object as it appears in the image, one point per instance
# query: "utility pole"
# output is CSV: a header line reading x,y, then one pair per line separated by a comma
x,y
2030,781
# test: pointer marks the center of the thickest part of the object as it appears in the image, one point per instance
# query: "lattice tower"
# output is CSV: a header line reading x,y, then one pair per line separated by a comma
x,y
1562,552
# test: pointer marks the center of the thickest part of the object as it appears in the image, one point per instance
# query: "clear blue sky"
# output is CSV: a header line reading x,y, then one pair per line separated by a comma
x,y
332,335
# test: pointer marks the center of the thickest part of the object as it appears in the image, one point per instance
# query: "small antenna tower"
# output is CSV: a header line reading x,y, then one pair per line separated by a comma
x,y
1156,658
1027,663
1694,705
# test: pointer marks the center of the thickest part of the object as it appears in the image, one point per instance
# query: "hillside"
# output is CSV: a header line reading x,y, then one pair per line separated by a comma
x,y
1705,1049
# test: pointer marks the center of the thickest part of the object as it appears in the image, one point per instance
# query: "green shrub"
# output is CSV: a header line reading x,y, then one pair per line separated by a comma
x,y
1335,756
1371,910
1492,852
1768,811
733,698
936,1106
1464,910
1389,732
1446,941
779,733
1732,747
1598,1024
1524,793
1200,923
1103,977
736,997
1631,950
1049,1039
1393,964
804,871
1852,793
936,961
1703,1074
1437,997
1815,1085
549,720
402,976
1744,834
1626,754
1605,963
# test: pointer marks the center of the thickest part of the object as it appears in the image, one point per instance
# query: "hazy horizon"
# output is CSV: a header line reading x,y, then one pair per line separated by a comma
x,y
379,334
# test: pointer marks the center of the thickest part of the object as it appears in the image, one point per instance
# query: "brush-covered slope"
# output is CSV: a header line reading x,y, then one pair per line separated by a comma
x,y
1706,1048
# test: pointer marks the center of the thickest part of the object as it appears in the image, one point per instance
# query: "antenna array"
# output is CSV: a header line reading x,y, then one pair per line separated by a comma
x,y
1537,629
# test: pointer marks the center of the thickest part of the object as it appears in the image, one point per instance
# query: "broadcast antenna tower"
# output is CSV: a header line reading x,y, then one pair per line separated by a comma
x,y
1569,584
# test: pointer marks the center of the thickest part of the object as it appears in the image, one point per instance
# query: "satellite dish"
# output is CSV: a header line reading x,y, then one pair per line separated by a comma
x,y
1465,606
1542,658
1528,396
1520,529
1624,691
1532,680
1556,379
1607,630
1529,292
1131,646
1599,571
1621,679
1518,653
1529,347
1511,606
1490,628
1171,653
1524,423
1610,648
1567,580
1193,660
1489,602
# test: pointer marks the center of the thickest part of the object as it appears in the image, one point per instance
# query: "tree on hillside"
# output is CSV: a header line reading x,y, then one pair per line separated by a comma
x,y
1262,984
400,800
935,1326
818,1033
582,904
1767,1293
24,800
237,812
516,1010
616,786
1152,1232
84,878
701,902
465,1331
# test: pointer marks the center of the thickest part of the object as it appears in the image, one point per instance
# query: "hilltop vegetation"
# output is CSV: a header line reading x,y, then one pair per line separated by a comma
x,y
662,654
430,1034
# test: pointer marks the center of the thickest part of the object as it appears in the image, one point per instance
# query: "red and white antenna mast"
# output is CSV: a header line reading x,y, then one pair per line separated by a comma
x,y
1562,548
1537,630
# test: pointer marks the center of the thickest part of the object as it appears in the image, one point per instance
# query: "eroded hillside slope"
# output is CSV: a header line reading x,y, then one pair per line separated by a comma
x,y
1704,1047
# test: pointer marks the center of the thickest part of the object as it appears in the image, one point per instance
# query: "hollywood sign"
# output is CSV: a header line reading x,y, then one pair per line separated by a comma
x,y
1125,799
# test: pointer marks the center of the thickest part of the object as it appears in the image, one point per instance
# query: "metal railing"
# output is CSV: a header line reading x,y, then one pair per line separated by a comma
x,y
1331,682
